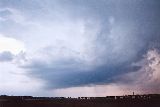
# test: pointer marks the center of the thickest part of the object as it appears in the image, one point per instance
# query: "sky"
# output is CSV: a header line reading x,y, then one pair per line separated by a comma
x,y
79,47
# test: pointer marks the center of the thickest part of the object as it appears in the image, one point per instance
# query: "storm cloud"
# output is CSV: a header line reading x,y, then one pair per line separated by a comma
x,y
80,43
125,32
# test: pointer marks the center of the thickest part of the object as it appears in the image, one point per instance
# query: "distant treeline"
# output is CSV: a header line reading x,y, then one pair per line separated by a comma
x,y
150,100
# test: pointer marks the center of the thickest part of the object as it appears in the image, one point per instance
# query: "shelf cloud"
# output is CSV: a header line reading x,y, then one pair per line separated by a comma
x,y
87,44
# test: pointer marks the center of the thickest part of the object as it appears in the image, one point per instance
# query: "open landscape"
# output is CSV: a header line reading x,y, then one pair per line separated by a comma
x,y
79,53
151,100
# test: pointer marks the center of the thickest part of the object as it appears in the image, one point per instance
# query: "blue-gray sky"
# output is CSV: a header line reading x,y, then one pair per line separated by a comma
x,y
79,47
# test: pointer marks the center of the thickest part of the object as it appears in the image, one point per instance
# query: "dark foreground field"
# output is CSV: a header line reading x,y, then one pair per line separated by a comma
x,y
109,101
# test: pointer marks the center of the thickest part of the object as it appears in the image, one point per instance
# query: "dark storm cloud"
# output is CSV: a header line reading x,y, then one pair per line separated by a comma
x,y
70,73
132,30
139,18
6,56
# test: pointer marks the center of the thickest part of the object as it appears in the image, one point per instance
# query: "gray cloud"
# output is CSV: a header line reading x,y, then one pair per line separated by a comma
x,y
71,72
146,79
116,45
117,33
6,56
68,77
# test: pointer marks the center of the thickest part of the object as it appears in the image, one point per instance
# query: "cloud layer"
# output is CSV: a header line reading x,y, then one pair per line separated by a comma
x,y
83,43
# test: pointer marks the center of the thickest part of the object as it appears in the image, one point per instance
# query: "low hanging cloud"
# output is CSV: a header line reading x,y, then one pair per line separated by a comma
x,y
82,43
6,56
146,78
112,42
153,72
144,81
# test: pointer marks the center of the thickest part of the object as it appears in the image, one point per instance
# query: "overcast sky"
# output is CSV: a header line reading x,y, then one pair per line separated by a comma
x,y
79,47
